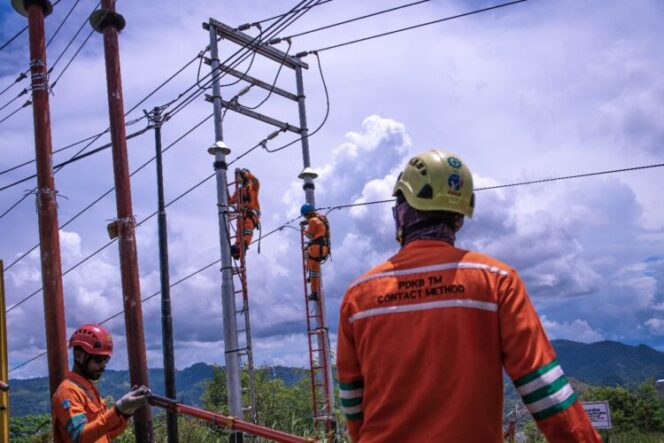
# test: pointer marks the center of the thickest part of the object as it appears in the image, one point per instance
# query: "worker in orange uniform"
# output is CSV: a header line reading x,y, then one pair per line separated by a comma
x,y
318,248
79,412
424,337
246,200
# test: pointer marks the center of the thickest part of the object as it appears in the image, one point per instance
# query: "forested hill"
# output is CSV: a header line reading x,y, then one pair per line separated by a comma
x,y
30,396
603,363
609,363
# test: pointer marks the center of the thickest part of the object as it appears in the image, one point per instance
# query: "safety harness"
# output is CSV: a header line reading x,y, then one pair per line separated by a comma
x,y
324,240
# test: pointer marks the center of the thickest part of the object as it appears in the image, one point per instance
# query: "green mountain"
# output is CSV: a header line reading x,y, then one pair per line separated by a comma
x,y
609,363
603,363
30,396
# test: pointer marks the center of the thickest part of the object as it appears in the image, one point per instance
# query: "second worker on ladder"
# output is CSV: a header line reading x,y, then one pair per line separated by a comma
x,y
245,199
318,248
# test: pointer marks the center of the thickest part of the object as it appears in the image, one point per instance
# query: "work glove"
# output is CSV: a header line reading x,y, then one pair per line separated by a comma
x,y
133,400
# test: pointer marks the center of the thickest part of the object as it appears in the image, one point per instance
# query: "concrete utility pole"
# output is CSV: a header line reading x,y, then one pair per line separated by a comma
x,y
109,22
47,207
308,175
231,343
166,319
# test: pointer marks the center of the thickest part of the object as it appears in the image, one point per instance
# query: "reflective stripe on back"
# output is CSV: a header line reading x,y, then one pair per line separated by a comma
x,y
456,303
431,268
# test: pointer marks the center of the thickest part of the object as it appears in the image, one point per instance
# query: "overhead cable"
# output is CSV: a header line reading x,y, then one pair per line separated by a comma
x,y
24,105
238,57
75,158
141,222
384,11
330,208
98,199
327,112
249,25
383,34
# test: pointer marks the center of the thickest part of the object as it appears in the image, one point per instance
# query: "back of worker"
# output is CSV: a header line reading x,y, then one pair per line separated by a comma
x,y
424,336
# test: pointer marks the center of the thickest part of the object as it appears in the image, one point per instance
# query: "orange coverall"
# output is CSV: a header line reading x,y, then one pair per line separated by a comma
x,y
246,200
423,339
316,232
80,414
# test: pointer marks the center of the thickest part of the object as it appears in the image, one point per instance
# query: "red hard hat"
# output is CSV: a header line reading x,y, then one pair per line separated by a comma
x,y
94,339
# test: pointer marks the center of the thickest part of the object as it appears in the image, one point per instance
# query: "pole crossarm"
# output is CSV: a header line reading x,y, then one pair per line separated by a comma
x,y
225,31
234,106
254,81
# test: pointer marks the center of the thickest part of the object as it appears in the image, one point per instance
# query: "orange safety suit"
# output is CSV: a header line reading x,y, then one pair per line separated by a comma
x,y
317,249
80,414
245,198
423,339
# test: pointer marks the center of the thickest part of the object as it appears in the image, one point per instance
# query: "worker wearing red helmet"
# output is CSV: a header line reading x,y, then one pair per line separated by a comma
x,y
424,337
79,412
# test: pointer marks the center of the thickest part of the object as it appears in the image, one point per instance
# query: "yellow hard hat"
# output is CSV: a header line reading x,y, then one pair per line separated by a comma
x,y
437,180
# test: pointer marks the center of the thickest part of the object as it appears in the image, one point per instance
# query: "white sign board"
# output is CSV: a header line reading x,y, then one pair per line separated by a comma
x,y
599,413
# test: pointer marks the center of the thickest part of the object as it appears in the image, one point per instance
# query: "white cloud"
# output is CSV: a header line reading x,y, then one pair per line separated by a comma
x,y
577,330
482,86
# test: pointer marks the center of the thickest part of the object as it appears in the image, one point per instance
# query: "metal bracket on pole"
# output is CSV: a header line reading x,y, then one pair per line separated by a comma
x,y
254,81
243,39
234,106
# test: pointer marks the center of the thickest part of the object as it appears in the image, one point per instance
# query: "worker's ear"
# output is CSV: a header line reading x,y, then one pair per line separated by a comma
x,y
79,356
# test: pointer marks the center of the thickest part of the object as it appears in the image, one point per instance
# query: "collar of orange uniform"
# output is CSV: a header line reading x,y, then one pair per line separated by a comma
x,y
81,381
424,242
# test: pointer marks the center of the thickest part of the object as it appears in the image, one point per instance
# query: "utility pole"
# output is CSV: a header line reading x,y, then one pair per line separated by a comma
x,y
4,370
166,320
218,29
109,22
231,343
47,207
308,176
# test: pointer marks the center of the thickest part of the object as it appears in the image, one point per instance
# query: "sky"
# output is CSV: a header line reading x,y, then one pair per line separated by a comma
x,y
536,90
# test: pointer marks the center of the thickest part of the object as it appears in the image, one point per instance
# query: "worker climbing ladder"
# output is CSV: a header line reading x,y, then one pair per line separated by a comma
x,y
319,348
241,299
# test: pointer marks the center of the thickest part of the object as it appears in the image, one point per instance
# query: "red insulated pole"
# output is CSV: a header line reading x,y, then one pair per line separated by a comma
x,y
108,22
54,310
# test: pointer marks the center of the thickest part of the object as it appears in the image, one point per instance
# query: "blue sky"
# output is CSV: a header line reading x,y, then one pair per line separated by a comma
x,y
540,89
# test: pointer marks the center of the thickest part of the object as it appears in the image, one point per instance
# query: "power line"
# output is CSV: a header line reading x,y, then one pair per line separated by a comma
x,y
75,159
20,94
327,112
249,25
98,199
477,11
384,11
25,105
64,20
241,54
182,195
8,42
274,83
62,53
331,208
21,76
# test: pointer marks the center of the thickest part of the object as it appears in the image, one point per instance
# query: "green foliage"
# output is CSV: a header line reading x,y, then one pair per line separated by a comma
x,y
30,429
641,410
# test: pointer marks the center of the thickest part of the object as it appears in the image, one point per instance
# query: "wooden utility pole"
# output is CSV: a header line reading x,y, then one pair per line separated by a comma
x,y
47,207
109,22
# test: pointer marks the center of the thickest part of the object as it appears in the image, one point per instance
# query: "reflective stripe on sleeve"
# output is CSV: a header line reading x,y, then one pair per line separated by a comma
x,y
351,399
546,391
75,426
456,303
